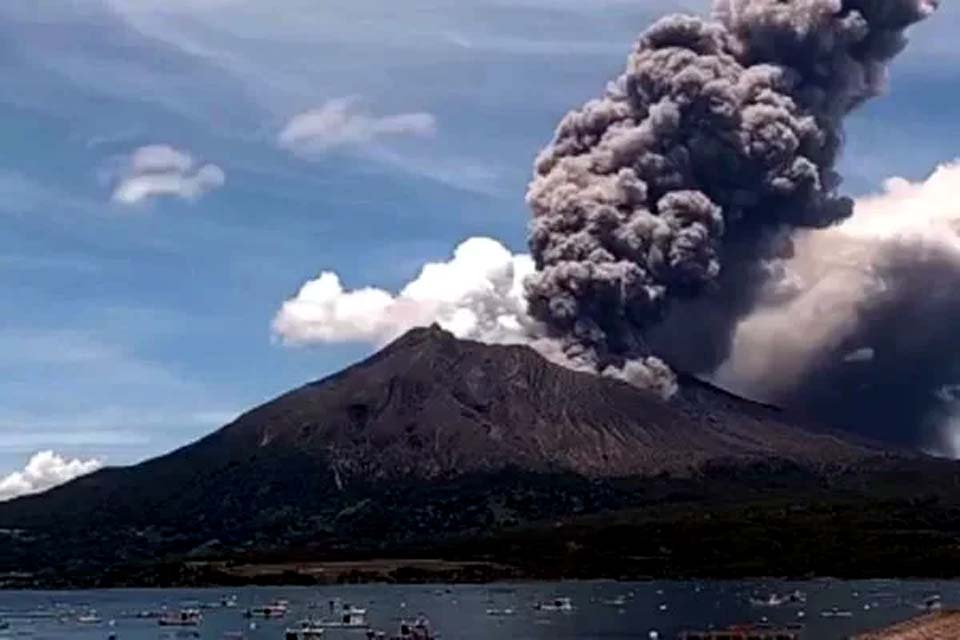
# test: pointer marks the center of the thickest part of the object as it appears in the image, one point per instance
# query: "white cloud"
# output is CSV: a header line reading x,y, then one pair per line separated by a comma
x,y
45,470
160,170
478,294
341,122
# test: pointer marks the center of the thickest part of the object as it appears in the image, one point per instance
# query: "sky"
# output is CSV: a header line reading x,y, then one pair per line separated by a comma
x,y
173,171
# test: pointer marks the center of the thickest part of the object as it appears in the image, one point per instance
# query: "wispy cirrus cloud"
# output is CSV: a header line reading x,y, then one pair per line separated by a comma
x,y
43,471
343,122
159,170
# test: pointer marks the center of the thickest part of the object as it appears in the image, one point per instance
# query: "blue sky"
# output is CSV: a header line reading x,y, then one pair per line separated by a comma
x,y
132,326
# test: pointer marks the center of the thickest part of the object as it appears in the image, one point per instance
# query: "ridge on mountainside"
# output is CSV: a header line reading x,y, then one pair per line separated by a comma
x,y
430,437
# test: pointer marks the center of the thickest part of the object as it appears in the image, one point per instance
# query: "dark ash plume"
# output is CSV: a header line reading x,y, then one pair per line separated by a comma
x,y
678,181
860,329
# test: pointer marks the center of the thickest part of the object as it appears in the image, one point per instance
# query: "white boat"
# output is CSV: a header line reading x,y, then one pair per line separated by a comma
x,y
276,609
794,598
182,618
345,616
502,612
557,604
306,630
419,629
89,617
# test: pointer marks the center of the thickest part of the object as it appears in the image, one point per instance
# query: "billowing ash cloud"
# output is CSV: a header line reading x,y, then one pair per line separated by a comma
x,y
684,215
859,326
683,180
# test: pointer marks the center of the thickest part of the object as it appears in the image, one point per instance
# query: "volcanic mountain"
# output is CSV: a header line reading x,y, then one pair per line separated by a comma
x,y
432,407
391,451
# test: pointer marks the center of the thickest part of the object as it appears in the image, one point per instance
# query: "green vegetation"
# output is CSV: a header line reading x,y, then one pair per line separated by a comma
x,y
896,517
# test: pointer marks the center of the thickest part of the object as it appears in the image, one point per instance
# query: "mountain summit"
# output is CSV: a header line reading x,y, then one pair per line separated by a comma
x,y
430,405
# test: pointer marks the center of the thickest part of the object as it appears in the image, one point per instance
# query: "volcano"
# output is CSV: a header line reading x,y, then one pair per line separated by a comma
x,y
431,438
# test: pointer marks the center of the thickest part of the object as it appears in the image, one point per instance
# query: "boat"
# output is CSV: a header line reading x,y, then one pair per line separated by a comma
x,y
276,609
834,612
419,629
618,601
502,612
181,618
89,617
557,604
305,630
794,598
347,617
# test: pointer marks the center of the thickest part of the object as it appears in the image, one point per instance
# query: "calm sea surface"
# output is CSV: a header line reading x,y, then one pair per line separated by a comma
x,y
602,610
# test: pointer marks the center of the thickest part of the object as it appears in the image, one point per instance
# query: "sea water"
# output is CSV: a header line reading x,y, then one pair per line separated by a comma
x,y
601,610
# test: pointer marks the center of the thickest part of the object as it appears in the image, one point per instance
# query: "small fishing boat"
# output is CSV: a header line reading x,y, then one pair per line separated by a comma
x,y
419,629
347,617
557,604
305,630
502,612
89,617
794,598
182,618
276,609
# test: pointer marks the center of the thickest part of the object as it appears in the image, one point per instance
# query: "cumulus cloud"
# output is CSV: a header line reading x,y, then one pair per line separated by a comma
x,y
477,294
858,325
160,170
342,122
45,470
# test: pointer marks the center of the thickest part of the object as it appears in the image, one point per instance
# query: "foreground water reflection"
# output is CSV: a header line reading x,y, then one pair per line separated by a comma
x,y
600,610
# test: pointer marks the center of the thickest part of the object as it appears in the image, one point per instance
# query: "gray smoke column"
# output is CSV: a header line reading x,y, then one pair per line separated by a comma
x,y
682,180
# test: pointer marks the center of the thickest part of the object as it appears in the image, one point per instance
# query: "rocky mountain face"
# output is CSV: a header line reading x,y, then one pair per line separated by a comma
x,y
431,406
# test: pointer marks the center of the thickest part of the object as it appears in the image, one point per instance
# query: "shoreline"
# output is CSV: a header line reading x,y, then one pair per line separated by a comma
x,y
374,571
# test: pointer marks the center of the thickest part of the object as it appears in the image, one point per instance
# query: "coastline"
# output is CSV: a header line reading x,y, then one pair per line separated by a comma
x,y
383,571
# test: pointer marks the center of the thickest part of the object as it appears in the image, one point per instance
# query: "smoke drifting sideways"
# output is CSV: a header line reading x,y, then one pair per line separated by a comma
x,y
860,326
686,178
